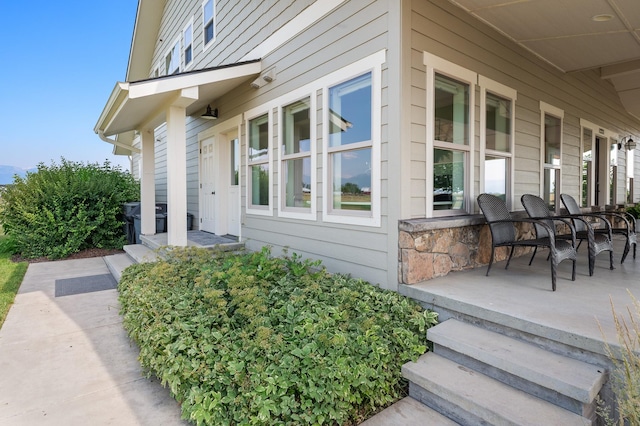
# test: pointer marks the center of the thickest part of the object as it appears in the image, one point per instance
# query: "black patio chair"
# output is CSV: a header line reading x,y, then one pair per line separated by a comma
x,y
537,209
627,222
503,234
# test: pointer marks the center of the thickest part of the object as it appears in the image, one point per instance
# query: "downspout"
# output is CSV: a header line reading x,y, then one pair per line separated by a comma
x,y
116,143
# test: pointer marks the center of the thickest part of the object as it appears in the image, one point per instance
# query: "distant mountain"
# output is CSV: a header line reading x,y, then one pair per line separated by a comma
x,y
8,172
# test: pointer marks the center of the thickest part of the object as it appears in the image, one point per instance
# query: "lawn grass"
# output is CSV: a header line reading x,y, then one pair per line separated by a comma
x,y
11,275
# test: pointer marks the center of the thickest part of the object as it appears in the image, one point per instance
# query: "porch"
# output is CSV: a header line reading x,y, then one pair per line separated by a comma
x,y
507,343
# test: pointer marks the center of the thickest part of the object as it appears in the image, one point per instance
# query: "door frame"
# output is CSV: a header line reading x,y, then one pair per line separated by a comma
x,y
223,176
600,138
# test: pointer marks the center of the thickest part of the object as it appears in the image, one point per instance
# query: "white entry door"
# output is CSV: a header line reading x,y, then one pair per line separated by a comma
x,y
207,185
220,182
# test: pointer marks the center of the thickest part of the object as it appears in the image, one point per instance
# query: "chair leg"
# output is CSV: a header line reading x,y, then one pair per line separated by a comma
x,y
510,255
634,250
592,262
535,249
611,260
493,249
553,273
573,271
626,251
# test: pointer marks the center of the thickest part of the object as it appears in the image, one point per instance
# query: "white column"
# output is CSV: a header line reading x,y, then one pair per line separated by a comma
x,y
148,184
176,176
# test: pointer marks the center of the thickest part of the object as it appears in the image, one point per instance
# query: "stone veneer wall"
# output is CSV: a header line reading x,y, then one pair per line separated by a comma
x,y
430,248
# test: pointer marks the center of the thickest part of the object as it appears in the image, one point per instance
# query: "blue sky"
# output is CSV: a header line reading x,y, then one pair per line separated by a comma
x,y
61,61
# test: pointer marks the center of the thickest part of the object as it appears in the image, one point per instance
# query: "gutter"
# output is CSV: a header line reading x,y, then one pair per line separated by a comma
x,y
116,143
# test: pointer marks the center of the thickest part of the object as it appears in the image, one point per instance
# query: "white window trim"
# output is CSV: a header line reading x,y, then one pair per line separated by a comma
x,y
184,31
206,45
298,212
250,115
491,86
179,60
371,64
547,109
442,66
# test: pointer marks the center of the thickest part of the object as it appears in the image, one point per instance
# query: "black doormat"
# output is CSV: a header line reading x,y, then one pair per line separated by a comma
x,y
79,285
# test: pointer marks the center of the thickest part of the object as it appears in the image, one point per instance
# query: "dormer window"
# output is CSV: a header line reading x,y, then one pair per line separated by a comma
x,y
172,60
188,45
208,21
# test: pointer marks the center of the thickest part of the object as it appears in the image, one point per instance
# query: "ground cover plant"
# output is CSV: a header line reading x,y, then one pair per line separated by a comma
x,y
64,208
251,339
11,275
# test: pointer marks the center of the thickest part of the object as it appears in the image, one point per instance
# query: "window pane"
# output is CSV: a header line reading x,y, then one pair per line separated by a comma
x,y
235,162
352,179
208,11
350,111
296,135
498,123
451,111
187,55
448,179
550,187
259,138
495,176
208,32
297,180
260,185
552,127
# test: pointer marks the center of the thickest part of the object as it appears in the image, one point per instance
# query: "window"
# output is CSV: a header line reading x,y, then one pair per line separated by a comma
x,y
258,162
209,21
349,118
297,191
235,162
172,60
188,45
586,193
551,154
496,138
450,100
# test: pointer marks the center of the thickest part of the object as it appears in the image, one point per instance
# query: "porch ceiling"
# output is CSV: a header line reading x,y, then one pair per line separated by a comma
x,y
569,35
134,105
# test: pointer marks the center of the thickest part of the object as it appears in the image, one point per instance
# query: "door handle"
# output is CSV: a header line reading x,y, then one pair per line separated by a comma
x,y
213,192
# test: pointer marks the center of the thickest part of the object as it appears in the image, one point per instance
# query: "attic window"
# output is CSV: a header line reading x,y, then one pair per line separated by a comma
x,y
172,60
188,45
208,21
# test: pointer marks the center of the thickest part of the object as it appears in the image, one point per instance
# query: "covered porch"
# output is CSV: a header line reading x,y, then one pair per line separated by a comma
x,y
576,318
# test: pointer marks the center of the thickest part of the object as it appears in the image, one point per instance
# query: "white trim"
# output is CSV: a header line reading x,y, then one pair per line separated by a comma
x,y
303,20
547,109
498,89
186,66
371,64
552,110
248,116
299,212
442,66
211,42
176,44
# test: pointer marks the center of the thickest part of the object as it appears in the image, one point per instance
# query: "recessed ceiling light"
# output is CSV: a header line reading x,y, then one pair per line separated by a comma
x,y
602,18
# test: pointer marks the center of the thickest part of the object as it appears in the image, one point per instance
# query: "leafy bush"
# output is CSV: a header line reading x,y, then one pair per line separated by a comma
x,y
634,211
62,209
256,340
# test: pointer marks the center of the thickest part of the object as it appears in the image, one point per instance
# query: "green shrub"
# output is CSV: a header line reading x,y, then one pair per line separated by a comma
x,y
634,210
256,340
62,209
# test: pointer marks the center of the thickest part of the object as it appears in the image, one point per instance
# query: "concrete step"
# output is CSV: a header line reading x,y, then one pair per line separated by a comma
x,y
141,253
408,412
118,263
564,381
470,398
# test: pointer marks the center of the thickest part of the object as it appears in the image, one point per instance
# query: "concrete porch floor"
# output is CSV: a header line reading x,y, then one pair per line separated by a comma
x,y
195,239
577,314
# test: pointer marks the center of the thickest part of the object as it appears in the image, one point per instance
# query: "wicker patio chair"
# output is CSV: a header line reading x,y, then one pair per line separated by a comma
x,y
628,229
503,234
598,242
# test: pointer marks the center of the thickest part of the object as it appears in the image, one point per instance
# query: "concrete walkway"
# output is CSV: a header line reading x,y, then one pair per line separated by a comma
x,y
68,361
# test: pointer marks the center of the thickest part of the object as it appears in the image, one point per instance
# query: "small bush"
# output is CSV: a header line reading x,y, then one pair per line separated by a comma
x,y
62,209
634,211
256,340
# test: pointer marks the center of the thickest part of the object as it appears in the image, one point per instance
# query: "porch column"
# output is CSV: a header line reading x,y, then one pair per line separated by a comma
x,y
176,176
148,184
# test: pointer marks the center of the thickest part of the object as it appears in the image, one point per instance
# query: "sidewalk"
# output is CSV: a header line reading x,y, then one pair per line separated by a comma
x,y
68,361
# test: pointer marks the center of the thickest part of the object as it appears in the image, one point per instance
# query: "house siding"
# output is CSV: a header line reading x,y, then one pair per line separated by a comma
x,y
475,46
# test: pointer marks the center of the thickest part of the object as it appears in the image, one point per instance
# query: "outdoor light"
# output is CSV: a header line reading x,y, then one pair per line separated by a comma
x,y
631,144
210,114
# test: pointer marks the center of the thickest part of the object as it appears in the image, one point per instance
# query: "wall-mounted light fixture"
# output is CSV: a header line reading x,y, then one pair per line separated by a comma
x,y
628,143
210,114
270,75
258,83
